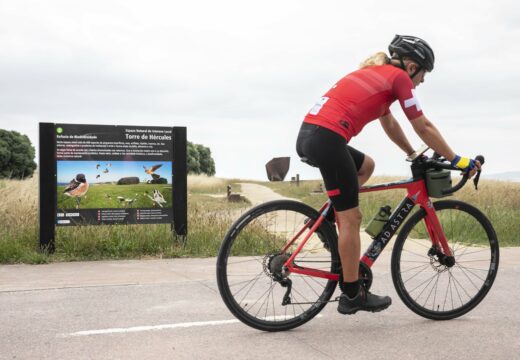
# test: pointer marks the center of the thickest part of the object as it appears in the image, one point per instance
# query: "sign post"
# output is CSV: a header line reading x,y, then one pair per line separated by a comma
x,y
180,183
47,187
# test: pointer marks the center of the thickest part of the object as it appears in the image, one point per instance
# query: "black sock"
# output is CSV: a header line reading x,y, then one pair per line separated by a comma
x,y
351,288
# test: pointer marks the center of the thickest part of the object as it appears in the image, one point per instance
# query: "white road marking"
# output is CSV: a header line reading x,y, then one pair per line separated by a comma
x,y
147,328
159,327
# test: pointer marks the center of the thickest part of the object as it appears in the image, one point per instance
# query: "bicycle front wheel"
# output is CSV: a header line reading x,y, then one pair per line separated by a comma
x,y
438,287
250,274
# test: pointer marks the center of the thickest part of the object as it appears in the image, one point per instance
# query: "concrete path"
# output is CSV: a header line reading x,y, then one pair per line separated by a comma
x,y
258,194
171,309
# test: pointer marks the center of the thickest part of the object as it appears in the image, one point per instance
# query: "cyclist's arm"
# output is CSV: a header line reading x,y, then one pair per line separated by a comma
x,y
404,90
395,133
432,137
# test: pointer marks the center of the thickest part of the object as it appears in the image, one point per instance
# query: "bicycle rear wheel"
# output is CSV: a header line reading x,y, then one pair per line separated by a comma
x,y
250,274
437,287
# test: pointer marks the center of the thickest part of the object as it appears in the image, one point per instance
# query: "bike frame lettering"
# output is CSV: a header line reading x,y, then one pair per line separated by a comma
x,y
417,195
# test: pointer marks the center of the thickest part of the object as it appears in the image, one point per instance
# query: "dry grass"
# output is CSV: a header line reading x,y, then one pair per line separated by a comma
x,y
18,221
18,205
204,182
208,220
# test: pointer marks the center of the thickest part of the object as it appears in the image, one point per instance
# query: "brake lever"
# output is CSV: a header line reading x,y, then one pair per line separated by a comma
x,y
476,179
480,158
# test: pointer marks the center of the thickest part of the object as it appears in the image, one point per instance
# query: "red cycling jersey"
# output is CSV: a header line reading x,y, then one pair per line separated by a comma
x,y
362,96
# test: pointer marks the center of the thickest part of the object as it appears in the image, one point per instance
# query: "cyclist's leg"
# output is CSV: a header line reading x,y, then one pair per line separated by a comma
x,y
341,182
339,165
364,167
349,243
339,169
346,200
364,164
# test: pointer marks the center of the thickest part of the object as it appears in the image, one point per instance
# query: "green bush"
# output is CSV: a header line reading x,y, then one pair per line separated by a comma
x,y
16,155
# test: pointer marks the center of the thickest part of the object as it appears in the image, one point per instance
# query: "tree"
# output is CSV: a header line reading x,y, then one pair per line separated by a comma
x,y
193,160
16,155
207,164
199,160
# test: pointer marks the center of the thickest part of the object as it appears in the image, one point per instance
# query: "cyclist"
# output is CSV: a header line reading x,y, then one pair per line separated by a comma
x,y
358,98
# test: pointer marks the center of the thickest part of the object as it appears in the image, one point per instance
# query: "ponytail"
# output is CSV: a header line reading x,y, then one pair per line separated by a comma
x,y
379,58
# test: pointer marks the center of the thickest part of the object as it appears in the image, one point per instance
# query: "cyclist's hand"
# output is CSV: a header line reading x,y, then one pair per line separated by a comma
x,y
467,165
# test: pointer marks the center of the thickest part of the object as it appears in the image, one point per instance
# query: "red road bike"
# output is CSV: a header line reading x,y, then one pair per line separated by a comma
x,y
278,266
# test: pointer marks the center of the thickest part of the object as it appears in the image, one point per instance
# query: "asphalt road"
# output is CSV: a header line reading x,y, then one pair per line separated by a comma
x,y
171,309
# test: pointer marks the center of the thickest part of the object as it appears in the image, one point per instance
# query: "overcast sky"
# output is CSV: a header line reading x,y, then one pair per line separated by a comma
x,y
241,75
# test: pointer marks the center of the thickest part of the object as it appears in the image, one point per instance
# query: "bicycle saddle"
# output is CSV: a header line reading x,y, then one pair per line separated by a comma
x,y
307,161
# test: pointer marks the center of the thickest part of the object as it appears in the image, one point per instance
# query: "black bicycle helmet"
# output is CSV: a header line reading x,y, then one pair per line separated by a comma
x,y
413,47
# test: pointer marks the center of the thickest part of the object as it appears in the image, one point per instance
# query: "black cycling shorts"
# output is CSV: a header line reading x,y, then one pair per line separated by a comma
x,y
338,162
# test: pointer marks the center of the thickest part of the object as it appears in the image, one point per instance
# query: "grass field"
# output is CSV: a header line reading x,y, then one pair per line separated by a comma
x,y
498,200
102,196
209,218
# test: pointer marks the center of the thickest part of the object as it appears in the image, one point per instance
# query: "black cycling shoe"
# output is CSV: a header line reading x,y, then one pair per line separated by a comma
x,y
363,301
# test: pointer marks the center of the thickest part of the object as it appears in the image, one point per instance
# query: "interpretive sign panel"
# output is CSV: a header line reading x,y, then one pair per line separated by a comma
x,y
105,174
113,174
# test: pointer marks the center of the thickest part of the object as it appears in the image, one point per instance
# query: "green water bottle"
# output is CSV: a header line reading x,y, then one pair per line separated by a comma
x,y
376,224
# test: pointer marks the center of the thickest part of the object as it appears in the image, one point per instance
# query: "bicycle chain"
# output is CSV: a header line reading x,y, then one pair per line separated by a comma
x,y
316,302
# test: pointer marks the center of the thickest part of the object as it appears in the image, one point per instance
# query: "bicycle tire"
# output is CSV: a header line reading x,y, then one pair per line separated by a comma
x,y
233,263
468,232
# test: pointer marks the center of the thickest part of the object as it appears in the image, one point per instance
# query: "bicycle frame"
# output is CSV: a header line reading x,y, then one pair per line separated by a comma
x,y
417,195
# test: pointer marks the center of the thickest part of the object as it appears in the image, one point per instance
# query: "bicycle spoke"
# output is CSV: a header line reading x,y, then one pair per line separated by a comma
x,y
448,289
471,281
415,267
413,253
262,296
456,289
452,290
315,292
245,282
431,279
259,260
300,294
434,287
254,259
274,308
470,268
247,293
418,243
466,261
462,287
473,252
426,266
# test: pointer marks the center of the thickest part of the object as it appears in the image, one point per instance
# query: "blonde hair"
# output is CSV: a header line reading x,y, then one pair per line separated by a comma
x,y
379,58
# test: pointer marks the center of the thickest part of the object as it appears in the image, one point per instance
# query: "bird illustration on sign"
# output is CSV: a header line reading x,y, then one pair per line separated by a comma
x,y
77,188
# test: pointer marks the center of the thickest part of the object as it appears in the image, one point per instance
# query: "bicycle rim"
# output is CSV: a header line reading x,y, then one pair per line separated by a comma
x,y
423,280
249,266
